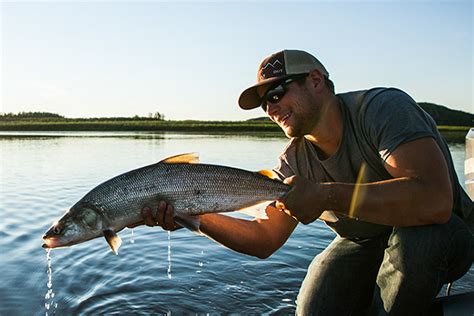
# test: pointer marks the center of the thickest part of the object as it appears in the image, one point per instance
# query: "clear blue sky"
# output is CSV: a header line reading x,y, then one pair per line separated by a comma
x,y
191,60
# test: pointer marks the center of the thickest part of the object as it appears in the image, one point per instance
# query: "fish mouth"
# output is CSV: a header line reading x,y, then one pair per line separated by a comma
x,y
50,242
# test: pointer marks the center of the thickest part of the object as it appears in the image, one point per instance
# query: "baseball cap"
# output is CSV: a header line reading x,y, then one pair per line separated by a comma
x,y
277,67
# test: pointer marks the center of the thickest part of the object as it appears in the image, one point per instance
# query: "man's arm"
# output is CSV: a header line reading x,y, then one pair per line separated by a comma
x,y
259,237
419,194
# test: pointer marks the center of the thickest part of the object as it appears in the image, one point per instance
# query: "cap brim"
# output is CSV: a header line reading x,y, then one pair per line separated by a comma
x,y
250,99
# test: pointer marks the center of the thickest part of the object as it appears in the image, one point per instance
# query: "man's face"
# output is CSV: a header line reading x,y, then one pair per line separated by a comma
x,y
296,111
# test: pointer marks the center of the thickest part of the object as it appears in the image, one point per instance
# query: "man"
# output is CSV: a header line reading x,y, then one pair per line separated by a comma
x,y
377,161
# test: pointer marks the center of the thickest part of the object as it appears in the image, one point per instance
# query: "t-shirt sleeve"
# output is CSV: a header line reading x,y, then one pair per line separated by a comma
x,y
287,165
393,118
283,169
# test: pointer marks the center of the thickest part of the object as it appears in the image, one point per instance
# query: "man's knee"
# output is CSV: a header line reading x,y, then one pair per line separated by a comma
x,y
345,272
419,260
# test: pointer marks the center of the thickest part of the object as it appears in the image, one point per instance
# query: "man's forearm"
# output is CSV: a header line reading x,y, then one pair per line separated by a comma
x,y
395,202
259,237
234,233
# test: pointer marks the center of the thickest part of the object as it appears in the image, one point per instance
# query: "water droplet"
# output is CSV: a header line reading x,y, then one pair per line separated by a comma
x,y
132,240
49,294
169,254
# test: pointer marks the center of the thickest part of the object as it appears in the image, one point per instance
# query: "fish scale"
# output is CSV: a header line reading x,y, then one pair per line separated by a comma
x,y
190,187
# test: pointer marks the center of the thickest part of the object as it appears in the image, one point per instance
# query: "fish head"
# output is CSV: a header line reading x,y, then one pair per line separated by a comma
x,y
79,224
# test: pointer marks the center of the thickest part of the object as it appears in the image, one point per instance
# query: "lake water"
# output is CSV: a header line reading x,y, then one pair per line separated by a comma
x,y
43,174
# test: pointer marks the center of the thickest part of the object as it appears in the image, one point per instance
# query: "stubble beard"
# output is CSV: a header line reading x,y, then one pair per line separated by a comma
x,y
302,123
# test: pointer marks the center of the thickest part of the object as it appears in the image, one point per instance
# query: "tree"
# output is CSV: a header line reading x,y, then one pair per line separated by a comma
x,y
158,116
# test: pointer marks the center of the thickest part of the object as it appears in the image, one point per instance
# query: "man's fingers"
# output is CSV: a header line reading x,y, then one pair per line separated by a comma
x,y
162,206
168,218
164,217
148,217
289,180
291,215
160,214
280,205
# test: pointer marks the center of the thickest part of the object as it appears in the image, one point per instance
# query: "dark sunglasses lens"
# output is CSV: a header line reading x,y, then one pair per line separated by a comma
x,y
273,96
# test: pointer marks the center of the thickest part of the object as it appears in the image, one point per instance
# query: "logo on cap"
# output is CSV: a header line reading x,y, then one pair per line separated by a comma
x,y
274,67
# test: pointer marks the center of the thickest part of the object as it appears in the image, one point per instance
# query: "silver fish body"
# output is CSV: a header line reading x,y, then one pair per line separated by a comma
x,y
192,189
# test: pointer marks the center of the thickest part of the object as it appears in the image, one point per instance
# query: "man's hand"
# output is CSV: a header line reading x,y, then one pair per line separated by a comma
x,y
304,201
163,216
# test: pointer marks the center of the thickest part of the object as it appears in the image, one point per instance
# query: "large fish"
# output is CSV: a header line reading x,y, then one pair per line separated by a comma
x,y
192,189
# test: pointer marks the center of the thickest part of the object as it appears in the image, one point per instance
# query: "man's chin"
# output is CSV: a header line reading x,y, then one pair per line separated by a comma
x,y
291,133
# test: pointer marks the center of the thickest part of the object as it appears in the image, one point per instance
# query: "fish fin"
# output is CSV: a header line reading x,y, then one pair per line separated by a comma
x,y
113,240
257,210
183,158
190,222
269,174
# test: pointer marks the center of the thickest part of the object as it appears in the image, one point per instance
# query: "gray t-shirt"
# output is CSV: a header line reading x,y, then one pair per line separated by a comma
x,y
390,118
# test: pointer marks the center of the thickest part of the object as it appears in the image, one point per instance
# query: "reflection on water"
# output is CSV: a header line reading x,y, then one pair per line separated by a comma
x,y
44,174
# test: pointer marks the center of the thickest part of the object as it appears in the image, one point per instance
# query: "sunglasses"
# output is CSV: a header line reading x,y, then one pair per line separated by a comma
x,y
277,92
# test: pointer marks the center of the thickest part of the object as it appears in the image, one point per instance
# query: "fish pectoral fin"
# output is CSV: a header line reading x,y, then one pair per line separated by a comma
x,y
183,158
257,210
113,240
269,174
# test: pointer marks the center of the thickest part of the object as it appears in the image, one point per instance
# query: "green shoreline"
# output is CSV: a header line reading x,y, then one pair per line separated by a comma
x,y
451,133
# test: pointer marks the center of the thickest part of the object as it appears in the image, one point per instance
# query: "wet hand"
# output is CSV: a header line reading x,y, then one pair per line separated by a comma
x,y
304,201
162,216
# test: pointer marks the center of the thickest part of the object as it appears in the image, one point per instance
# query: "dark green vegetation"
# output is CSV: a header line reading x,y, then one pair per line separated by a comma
x,y
34,121
30,115
445,116
451,123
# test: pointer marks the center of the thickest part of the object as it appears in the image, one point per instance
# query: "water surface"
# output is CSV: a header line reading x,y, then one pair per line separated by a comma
x,y
43,174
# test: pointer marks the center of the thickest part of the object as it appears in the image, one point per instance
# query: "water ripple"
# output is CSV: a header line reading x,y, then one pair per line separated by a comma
x,y
90,280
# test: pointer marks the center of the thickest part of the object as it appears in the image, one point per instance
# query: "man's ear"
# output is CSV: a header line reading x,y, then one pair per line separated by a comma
x,y
317,79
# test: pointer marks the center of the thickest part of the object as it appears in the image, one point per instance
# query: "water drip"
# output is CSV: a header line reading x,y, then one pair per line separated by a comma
x,y
169,254
49,302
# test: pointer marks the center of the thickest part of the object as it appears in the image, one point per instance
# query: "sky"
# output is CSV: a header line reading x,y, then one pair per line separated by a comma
x,y
191,60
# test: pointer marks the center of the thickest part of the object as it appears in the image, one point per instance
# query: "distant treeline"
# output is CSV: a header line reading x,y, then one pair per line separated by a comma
x,y
261,125
30,115
445,116
441,114
53,116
